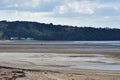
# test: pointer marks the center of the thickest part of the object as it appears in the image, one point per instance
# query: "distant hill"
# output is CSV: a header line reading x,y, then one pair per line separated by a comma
x,y
23,30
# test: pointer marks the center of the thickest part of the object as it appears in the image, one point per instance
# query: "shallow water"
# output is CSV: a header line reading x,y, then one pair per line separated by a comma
x,y
98,66
73,61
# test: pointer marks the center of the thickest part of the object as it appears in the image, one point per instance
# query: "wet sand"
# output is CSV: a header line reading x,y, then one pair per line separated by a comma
x,y
57,61
73,51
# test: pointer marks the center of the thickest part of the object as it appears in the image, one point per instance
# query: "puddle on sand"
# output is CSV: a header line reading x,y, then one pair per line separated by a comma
x,y
97,66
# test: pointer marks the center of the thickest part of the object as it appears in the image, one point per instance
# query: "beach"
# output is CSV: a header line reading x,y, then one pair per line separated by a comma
x,y
62,60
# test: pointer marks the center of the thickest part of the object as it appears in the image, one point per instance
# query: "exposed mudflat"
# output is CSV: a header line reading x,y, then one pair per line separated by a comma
x,y
60,61
98,60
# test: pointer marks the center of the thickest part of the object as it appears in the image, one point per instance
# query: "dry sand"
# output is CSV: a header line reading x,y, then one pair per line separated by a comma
x,y
49,75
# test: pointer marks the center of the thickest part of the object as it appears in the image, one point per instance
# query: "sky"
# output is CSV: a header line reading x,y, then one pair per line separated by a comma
x,y
95,13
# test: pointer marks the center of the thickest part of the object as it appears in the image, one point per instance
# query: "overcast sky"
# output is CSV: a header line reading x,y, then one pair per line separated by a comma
x,y
96,13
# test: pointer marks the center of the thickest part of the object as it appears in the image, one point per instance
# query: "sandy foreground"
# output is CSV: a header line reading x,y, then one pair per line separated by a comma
x,y
57,72
19,74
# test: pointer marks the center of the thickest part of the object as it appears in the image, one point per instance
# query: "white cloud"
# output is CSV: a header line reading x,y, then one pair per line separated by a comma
x,y
71,12
85,6
25,15
32,3
112,6
82,7
61,9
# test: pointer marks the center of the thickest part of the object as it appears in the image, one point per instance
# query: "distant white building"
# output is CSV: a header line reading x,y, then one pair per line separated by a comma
x,y
28,38
22,38
14,38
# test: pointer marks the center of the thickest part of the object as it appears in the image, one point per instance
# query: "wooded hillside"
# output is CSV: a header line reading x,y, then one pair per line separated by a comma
x,y
41,31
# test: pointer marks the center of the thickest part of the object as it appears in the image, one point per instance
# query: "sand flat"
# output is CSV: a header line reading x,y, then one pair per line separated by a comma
x,y
88,59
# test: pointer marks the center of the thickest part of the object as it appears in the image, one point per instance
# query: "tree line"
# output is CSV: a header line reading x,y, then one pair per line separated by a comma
x,y
41,31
